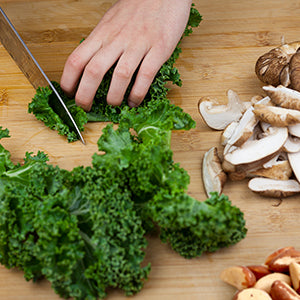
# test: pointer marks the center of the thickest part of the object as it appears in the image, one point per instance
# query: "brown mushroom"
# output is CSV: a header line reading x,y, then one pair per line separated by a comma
x,y
244,129
277,116
274,188
213,175
283,96
218,116
279,170
294,159
270,65
228,132
257,152
292,144
294,71
294,130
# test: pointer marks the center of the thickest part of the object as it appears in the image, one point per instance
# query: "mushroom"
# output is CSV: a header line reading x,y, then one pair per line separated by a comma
x,y
275,168
279,170
218,116
294,71
257,152
276,116
228,132
272,65
294,159
273,187
244,129
283,96
294,130
213,175
292,144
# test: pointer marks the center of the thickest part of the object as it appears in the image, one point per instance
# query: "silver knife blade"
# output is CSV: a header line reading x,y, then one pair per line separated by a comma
x,y
15,46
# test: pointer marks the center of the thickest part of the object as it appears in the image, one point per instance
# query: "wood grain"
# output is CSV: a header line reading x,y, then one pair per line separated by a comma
x,y
220,55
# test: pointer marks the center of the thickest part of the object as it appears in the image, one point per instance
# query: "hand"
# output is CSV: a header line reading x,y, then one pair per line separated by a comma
x,y
137,34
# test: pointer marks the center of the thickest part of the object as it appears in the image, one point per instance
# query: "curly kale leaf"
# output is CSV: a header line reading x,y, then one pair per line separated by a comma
x,y
193,227
40,107
79,229
5,162
159,186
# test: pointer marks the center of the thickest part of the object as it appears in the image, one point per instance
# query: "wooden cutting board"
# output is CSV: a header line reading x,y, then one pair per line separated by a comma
x,y
220,55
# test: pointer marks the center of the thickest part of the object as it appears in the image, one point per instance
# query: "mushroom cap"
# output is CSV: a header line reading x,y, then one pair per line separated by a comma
x,y
294,71
269,66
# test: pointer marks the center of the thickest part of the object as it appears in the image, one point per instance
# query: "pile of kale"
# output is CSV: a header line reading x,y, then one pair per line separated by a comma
x,y
85,230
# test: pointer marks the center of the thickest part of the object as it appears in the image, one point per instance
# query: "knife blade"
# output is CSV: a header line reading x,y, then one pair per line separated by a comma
x,y
18,50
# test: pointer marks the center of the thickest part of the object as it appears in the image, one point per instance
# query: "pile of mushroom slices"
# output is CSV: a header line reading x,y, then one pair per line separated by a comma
x,y
260,141
260,138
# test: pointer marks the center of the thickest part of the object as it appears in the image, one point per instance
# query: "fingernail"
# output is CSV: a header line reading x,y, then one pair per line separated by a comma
x,y
132,104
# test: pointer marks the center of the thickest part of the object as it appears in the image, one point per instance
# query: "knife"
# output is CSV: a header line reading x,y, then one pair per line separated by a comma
x,y
20,53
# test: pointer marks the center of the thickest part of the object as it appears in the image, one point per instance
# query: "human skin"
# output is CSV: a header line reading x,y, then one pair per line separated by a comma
x,y
138,35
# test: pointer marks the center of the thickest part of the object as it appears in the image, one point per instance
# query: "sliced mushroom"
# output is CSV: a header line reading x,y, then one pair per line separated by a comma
x,y
258,151
283,96
294,159
213,175
277,116
274,169
270,65
264,126
218,116
292,144
281,156
244,129
279,170
228,132
295,130
274,188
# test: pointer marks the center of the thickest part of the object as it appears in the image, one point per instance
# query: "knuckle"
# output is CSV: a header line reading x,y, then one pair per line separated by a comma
x,y
75,61
137,95
147,73
82,102
93,70
123,72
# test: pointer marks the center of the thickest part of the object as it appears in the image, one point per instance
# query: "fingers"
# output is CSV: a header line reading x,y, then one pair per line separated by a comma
x,y
122,76
89,67
93,74
147,71
75,65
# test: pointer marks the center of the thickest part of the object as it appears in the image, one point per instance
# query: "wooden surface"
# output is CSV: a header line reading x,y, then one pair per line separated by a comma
x,y
220,55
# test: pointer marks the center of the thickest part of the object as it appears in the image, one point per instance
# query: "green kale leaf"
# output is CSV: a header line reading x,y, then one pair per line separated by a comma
x,y
40,107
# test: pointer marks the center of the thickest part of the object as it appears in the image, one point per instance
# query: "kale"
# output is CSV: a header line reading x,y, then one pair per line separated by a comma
x,y
79,229
101,111
84,230
40,107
